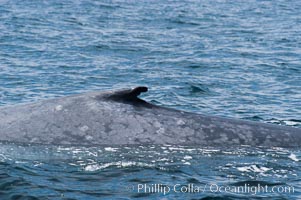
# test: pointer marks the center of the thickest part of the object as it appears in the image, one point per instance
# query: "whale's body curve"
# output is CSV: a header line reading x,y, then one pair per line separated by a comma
x,y
120,117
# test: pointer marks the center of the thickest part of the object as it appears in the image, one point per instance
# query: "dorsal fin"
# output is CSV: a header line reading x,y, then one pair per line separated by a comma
x,y
130,96
134,93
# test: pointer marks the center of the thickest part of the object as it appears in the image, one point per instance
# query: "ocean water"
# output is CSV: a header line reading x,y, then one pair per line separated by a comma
x,y
239,59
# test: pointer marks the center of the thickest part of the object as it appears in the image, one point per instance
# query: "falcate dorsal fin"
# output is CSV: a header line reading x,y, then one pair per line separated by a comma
x,y
130,96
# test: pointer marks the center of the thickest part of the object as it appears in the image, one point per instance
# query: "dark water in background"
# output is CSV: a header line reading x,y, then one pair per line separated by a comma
x,y
229,58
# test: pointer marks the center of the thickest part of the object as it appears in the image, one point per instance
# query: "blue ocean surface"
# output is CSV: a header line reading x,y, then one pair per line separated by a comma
x,y
239,59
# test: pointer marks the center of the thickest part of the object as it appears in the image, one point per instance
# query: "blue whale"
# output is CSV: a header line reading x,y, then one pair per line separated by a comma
x,y
121,117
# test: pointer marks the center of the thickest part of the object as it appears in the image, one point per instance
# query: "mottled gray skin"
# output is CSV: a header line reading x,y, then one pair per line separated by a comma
x,y
120,117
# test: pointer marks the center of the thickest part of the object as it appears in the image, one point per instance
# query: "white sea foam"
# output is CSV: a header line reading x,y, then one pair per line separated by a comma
x,y
120,164
187,157
253,168
293,157
111,149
